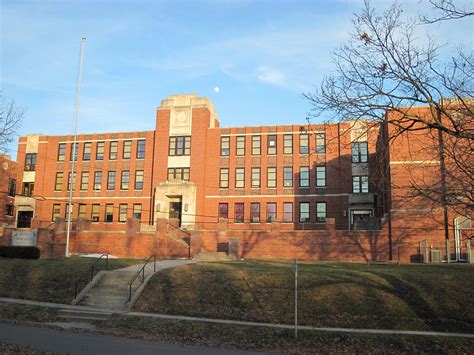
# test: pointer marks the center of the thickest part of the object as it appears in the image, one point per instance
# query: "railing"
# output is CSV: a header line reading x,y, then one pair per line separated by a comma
x,y
139,273
91,273
185,232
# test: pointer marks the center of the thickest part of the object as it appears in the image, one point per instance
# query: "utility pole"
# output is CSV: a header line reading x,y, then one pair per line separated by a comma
x,y
73,160
295,268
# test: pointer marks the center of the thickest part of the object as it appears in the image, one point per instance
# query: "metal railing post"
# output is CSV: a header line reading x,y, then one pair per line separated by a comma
x,y
106,262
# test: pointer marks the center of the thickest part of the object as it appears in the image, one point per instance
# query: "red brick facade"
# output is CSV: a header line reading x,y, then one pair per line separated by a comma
x,y
8,182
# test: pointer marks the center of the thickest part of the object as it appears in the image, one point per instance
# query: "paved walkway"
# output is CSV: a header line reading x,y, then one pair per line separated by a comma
x,y
160,265
244,323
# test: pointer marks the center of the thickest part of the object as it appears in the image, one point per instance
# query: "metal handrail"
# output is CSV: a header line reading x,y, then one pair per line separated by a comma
x,y
91,272
142,273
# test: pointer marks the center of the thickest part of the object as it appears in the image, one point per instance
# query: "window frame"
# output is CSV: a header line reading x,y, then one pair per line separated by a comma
x,y
125,185
240,172
96,175
56,211
123,212
304,149
240,145
139,179
225,146
362,185
76,156
141,143
255,172
274,213
256,145
320,142
255,216
287,169
236,209
30,161
319,212
318,178
59,181
109,212
100,150
174,149
285,212
135,209
357,155
73,181
113,150
272,173
272,150
306,213
127,150
223,183
95,212
87,151
287,149
84,184
62,151
307,173
82,211
111,180
219,210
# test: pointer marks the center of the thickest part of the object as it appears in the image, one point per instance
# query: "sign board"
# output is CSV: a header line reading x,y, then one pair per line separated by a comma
x,y
24,239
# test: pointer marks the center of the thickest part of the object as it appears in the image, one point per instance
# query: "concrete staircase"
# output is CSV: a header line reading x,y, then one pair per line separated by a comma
x,y
212,256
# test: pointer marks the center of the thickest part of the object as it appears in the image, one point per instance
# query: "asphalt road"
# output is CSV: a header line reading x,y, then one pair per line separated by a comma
x,y
85,343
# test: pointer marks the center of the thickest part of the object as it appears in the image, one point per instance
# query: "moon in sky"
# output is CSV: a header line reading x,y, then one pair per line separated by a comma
x,y
217,89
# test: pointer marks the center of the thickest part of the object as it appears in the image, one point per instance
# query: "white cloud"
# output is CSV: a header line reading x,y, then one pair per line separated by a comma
x,y
270,75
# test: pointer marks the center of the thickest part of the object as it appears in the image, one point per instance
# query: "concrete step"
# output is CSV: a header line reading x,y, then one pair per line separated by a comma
x,y
211,256
82,316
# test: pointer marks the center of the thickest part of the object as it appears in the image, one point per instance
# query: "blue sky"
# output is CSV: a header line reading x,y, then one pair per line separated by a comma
x,y
261,54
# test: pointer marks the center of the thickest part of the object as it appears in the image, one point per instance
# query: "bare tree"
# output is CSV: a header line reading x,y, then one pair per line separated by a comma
x,y
447,10
10,120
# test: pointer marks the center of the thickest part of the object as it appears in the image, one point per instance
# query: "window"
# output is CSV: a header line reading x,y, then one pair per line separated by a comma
x,y
225,146
271,211
141,149
288,144
111,180
137,211
271,177
99,154
11,187
288,176
95,212
56,211
239,213
239,177
240,145
321,212
304,143
304,176
9,210
81,212
223,210
360,184
256,145
320,142
85,180
224,179
320,176
61,151
69,208
86,155
28,188
304,212
75,151
288,212
139,180
125,180
58,184
255,213
109,213
113,152
30,161
71,182
271,144
97,180
178,174
359,152
123,212
180,146
255,182
127,149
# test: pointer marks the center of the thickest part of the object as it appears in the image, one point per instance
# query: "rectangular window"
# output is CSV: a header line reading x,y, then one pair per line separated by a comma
x,y
69,207
10,210
81,212
320,142
240,146
256,145
95,212
239,213
71,182
255,213
111,180
240,178
321,212
139,180
288,144
137,211
75,151
58,183
127,149
86,155
178,174
141,149
61,151
304,212
271,177
360,184
113,152
85,180
99,154
225,146
255,181
288,176
304,176
125,180
320,176
11,187
97,180
28,188
223,210
271,211
304,143
271,144
180,146
288,212
30,161
123,212
224,178
56,211
359,152
109,213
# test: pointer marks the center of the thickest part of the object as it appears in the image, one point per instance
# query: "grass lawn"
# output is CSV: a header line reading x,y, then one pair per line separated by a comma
x,y
48,280
412,297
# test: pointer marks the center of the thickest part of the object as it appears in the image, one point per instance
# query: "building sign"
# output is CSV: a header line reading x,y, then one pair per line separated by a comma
x,y
24,239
